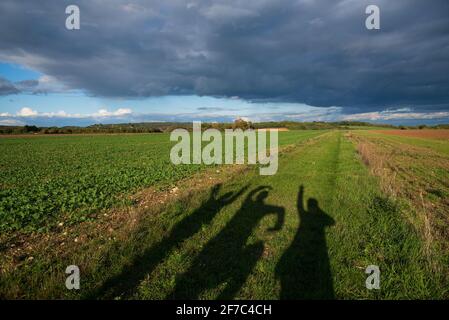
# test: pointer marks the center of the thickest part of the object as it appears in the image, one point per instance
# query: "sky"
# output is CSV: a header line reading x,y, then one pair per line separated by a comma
x,y
218,60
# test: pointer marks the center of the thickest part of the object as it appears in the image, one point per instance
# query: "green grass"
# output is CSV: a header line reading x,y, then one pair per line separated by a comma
x,y
252,239
307,232
44,180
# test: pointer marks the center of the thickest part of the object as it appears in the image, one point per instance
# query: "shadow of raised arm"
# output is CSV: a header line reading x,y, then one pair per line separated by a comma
x,y
280,212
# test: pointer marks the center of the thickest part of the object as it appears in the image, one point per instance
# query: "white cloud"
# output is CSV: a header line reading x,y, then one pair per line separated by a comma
x,y
11,122
398,114
117,113
247,119
50,84
102,113
27,112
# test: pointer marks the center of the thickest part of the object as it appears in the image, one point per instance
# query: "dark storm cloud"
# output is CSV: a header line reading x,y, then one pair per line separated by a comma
x,y
25,86
7,88
314,52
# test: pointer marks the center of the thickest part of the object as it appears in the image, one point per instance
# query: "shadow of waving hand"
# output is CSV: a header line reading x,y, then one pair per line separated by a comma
x,y
125,283
304,269
227,259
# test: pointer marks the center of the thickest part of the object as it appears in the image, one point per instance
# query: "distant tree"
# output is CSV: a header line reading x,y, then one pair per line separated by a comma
x,y
31,129
241,124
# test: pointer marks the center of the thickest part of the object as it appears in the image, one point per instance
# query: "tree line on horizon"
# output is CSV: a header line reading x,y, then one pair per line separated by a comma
x,y
160,127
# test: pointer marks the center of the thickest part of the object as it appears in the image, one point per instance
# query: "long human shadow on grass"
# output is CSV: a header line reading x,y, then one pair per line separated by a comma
x,y
227,260
125,283
304,269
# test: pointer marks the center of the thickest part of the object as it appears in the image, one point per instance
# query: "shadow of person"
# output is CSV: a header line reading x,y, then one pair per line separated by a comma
x,y
227,259
304,269
125,283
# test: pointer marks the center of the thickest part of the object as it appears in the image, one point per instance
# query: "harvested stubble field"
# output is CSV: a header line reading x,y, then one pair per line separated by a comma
x,y
140,228
423,133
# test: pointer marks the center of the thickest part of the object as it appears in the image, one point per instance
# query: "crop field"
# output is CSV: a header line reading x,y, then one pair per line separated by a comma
x,y
47,180
140,227
44,179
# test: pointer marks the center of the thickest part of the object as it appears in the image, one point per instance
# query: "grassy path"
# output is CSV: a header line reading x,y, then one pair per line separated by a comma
x,y
309,231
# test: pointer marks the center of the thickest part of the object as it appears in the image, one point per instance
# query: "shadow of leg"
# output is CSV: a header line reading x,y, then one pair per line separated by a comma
x,y
244,264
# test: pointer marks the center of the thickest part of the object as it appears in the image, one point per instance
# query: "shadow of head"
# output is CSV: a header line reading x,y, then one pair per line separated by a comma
x,y
261,196
322,217
312,205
